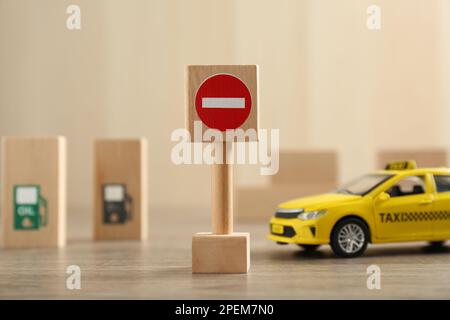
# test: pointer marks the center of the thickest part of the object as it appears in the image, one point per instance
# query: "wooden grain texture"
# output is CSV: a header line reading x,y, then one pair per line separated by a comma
x,y
160,268
227,253
302,173
121,161
424,157
303,167
39,161
260,202
196,75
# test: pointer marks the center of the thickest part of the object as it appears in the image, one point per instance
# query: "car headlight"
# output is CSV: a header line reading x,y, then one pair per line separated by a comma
x,y
311,215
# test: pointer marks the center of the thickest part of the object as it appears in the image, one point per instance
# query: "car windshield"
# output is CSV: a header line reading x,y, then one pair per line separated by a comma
x,y
363,185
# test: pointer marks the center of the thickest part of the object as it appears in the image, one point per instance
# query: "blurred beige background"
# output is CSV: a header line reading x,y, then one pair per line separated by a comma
x,y
326,81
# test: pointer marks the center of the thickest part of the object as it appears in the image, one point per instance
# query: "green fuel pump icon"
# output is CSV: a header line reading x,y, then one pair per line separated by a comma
x,y
30,208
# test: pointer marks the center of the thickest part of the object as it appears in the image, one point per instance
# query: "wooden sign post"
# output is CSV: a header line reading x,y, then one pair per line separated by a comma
x,y
222,98
222,193
33,192
120,189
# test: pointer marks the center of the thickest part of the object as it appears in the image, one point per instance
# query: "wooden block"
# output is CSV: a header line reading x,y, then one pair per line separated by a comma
x,y
424,157
308,166
228,253
260,202
222,97
120,189
33,185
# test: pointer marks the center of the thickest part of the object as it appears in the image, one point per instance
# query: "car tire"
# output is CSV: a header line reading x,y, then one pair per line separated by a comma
x,y
349,238
437,244
309,247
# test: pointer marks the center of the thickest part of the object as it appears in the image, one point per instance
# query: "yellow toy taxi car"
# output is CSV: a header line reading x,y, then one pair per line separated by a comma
x,y
400,203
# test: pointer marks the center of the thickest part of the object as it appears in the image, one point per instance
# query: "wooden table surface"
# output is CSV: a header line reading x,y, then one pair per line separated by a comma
x,y
160,268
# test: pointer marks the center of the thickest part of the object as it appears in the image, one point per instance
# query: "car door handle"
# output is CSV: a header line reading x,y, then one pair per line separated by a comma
x,y
426,201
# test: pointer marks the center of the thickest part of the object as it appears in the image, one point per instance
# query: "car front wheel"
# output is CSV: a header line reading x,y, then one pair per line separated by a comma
x,y
437,244
349,238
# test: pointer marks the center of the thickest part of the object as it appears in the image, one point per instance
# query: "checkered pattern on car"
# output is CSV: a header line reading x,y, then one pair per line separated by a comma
x,y
414,216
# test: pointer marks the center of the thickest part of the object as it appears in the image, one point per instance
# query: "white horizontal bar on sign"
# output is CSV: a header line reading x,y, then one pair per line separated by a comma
x,y
232,103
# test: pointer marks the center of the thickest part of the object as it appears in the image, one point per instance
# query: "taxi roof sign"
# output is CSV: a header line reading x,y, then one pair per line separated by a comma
x,y
401,165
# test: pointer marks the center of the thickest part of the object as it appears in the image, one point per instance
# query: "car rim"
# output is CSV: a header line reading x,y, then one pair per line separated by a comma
x,y
351,238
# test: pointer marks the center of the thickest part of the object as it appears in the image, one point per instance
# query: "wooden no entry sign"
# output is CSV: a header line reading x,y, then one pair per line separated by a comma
x,y
223,102
222,98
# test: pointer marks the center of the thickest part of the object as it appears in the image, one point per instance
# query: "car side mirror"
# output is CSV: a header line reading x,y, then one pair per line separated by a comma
x,y
383,196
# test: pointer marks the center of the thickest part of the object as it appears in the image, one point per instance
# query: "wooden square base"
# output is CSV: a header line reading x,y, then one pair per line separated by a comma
x,y
229,253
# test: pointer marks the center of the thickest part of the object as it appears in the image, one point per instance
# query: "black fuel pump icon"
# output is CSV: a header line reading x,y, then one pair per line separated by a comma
x,y
117,204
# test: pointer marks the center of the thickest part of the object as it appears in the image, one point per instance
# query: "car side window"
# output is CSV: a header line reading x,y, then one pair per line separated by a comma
x,y
442,183
408,186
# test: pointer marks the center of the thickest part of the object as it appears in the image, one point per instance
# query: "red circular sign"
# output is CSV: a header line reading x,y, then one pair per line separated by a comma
x,y
223,102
